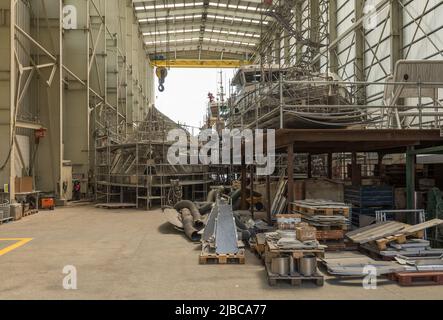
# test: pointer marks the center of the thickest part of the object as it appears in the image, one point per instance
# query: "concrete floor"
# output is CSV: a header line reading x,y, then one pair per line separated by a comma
x,y
127,254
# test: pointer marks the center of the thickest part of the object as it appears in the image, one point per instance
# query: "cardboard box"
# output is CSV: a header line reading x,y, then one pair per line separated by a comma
x,y
23,185
305,232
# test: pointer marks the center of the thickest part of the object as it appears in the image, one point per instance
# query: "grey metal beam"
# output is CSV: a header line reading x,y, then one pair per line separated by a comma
x,y
332,15
396,18
359,63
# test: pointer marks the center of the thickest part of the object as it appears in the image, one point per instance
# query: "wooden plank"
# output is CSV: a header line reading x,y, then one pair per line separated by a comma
x,y
422,226
375,232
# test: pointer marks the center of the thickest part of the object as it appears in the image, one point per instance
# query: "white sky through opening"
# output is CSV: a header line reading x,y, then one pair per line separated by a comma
x,y
185,98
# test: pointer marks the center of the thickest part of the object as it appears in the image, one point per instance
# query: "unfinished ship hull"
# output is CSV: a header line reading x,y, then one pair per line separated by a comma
x,y
291,98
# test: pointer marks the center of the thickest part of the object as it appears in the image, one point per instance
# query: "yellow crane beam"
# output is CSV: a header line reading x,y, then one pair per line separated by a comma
x,y
191,63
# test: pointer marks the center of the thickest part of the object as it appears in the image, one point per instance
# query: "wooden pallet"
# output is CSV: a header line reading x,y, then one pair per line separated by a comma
x,y
296,280
323,235
382,244
29,213
409,279
213,258
6,220
333,246
116,205
320,210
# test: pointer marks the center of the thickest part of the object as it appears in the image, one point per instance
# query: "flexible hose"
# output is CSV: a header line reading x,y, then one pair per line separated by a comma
x,y
205,207
188,225
186,204
212,195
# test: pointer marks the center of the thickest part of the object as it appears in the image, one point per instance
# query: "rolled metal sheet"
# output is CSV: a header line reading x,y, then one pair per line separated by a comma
x,y
280,266
308,265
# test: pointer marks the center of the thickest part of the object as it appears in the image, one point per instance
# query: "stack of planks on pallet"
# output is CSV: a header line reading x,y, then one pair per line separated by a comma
x,y
388,240
331,219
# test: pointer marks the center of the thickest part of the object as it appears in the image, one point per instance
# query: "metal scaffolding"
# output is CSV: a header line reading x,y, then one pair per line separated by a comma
x,y
73,66
300,79
135,170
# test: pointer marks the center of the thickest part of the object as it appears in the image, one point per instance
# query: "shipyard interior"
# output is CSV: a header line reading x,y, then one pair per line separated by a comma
x,y
346,96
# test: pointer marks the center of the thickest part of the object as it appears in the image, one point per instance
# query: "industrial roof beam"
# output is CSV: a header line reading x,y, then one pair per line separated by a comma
x,y
193,45
189,24
202,63
238,11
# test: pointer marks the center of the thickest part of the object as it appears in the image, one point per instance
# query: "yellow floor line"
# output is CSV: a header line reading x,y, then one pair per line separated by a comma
x,y
20,242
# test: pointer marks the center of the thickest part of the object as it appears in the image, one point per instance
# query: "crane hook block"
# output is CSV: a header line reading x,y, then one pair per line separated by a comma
x,y
161,73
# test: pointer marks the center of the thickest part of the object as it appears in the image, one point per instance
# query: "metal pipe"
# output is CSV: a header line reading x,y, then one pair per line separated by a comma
x,y
282,124
360,83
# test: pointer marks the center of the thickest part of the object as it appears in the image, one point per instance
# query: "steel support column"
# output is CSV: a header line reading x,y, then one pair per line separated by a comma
x,y
333,60
355,171
330,173
268,200
359,65
315,30
309,166
299,29
396,15
290,176
410,178
7,92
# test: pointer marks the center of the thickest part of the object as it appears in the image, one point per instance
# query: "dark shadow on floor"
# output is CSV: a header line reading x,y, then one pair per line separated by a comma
x,y
353,282
167,228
